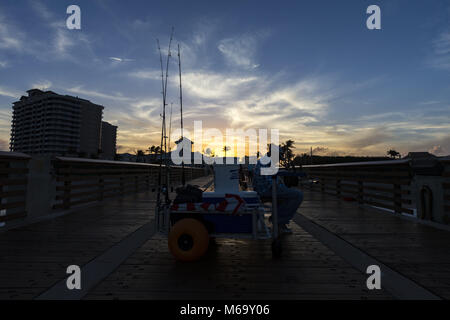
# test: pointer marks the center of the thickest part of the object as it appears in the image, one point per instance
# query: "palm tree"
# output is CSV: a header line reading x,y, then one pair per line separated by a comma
x,y
152,149
139,155
225,149
286,153
393,153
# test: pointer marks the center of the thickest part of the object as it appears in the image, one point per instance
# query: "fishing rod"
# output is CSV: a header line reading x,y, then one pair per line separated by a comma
x,y
183,179
167,163
163,145
158,196
170,125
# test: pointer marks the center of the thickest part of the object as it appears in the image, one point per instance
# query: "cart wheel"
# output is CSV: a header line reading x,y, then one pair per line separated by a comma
x,y
188,239
276,248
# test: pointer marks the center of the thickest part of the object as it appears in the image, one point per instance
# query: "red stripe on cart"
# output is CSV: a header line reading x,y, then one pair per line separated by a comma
x,y
239,200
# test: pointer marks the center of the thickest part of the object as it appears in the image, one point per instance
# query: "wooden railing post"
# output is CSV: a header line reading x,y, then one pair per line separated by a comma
x,y
397,198
381,184
338,187
67,188
14,180
101,187
4,176
84,181
360,192
121,184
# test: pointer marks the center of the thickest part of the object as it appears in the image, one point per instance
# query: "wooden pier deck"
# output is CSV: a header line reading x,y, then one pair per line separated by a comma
x,y
120,259
417,251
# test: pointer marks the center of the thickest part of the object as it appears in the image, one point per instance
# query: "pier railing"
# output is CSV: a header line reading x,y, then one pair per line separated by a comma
x,y
80,181
13,185
446,189
384,184
34,187
38,186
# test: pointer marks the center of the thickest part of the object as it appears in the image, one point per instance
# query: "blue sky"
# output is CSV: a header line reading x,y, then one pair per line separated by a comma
x,y
309,68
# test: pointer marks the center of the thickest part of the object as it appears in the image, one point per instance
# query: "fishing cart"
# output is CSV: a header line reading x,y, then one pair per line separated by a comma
x,y
225,212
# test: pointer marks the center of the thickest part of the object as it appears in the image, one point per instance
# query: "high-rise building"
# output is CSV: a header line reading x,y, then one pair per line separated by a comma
x,y
108,140
46,122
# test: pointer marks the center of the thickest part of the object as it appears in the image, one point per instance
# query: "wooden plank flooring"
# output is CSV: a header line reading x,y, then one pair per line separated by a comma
x,y
417,251
35,257
238,269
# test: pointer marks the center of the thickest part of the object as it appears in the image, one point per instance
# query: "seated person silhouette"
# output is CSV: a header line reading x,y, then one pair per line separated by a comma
x,y
288,200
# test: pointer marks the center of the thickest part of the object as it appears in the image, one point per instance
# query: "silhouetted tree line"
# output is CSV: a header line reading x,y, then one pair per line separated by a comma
x,y
306,159
288,159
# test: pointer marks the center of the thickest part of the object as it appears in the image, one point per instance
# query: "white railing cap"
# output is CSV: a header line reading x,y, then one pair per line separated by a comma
x,y
9,154
362,163
100,161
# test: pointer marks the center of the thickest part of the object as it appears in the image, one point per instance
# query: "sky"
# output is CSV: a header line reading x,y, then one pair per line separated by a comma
x,y
311,69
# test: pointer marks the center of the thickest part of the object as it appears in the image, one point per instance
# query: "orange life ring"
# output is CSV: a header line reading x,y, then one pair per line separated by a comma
x,y
188,239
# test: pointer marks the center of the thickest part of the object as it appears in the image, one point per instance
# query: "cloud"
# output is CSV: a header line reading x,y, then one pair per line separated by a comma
x,y
215,86
381,116
239,100
244,95
146,108
96,94
62,42
7,92
426,103
146,74
320,150
204,31
57,47
372,138
141,24
3,64
196,48
41,10
438,145
42,85
441,51
326,151
10,37
4,145
442,43
376,138
199,38
65,44
122,149
120,59
266,105
240,51
438,150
